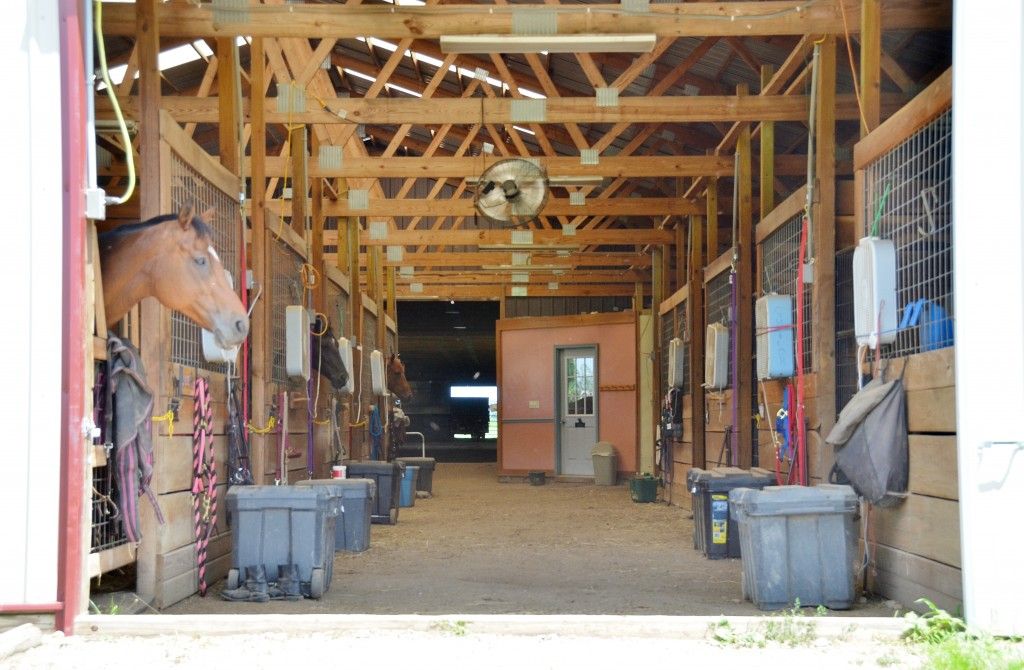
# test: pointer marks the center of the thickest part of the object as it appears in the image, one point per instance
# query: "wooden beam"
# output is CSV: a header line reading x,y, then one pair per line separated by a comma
x,y
697,19
618,236
227,75
476,276
379,208
870,63
823,295
931,102
451,167
146,27
495,291
259,328
695,325
316,215
477,258
297,140
680,254
767,158
712,220
348,112
744,430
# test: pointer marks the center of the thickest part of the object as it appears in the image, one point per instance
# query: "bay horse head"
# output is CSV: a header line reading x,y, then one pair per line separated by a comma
x,y
325,355
171,257
397,383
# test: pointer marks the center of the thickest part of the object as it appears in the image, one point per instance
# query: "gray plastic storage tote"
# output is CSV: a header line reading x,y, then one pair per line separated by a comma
x,y
798,542
282,525
355,496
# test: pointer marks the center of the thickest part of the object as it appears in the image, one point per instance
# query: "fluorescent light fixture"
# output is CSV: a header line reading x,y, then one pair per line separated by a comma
x,y
531,44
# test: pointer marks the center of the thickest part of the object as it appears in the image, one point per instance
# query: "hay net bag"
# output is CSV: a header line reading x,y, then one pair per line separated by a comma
x,y
870,439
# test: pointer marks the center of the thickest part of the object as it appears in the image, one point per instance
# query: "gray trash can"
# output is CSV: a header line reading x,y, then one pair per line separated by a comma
x,y
709,491
355,499
798,542
603,454
425,479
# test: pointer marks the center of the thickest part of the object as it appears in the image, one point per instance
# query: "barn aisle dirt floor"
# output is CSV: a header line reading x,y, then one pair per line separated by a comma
x,y
483,547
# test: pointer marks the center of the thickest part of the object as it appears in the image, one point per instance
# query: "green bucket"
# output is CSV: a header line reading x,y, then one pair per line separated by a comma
x,y
643,488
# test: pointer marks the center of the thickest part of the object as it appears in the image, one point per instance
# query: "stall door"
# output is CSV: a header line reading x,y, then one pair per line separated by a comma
x,y
577,370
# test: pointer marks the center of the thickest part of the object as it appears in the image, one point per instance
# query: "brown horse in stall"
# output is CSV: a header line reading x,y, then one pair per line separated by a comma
x,y
171,257
397,383
398,421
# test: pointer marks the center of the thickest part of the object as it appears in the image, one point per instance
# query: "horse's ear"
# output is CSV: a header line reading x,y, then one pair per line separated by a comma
x,y
185,216
208,215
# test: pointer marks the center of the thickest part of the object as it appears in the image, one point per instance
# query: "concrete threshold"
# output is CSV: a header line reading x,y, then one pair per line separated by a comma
x,y
590,626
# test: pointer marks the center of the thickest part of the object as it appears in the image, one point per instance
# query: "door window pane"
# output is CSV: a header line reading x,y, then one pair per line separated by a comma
x,y
579,385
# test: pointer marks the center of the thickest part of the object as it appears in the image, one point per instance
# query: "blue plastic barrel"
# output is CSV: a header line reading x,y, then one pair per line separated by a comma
x,y
408,496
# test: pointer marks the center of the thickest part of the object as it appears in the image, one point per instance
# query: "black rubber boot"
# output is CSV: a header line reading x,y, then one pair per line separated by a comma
x,y
287,586
254,590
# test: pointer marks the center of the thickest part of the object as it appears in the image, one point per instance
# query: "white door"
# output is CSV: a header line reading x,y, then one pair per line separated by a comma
x,y
577,389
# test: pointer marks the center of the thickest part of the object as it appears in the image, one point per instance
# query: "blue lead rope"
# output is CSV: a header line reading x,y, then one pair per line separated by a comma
x,y
376,433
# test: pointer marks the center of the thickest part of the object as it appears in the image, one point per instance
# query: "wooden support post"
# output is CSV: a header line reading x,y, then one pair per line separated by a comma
x,y
343,226
767,185
823,298
681,258
392,306
501,306
258,259
298,145
316,210
227,75
744,289
712,222
695,324
148,45
870,63
657,296
638,297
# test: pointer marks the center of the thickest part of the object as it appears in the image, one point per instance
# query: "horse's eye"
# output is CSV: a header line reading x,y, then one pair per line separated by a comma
x,y
200,261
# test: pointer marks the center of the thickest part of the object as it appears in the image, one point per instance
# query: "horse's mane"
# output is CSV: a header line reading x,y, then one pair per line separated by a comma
x,y
202,228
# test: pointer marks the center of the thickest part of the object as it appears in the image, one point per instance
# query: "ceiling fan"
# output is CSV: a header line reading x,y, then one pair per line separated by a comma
x,y
512,192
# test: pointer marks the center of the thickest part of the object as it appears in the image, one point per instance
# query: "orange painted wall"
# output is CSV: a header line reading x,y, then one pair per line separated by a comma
x,y
527,373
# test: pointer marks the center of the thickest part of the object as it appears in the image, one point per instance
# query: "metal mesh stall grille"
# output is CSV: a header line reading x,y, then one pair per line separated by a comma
x,y
681,332
668,328
718,301
846,340
780,256
188,187
107,529
391,346
369,343
908,196
285,289
337,308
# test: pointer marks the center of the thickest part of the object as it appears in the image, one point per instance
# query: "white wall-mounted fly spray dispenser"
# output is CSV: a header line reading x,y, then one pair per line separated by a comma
x,y
296,360
377,383
676,363
212,351
874,292
716,356
773,320
345,350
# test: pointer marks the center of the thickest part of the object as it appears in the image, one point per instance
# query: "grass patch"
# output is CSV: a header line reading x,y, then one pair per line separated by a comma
x,y
456,628
791,628
948,644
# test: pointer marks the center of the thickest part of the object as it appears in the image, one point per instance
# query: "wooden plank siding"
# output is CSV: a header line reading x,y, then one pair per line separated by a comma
x,y
916,545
